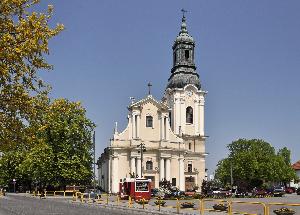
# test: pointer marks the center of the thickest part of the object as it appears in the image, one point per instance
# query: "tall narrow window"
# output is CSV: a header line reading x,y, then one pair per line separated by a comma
x,y
170,118
149,121
190,167
190,146
186,54
189,115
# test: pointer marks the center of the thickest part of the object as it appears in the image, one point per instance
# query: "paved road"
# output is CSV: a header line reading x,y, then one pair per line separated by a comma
x,y
25,205
20,204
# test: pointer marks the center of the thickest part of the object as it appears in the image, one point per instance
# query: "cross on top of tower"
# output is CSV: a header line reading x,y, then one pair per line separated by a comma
x,y
183,12
149,88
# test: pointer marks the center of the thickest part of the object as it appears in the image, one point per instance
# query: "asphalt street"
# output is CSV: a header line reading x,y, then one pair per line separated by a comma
x,y
24,204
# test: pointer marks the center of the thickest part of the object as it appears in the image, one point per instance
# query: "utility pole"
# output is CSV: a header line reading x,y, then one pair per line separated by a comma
x,y
94,148
231,177
142,150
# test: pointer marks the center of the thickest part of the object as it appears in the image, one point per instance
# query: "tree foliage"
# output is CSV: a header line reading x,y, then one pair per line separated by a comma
x,y
256,162
42,142
24,37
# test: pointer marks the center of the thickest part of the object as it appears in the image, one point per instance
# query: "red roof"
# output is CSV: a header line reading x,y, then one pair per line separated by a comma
x,y
296,166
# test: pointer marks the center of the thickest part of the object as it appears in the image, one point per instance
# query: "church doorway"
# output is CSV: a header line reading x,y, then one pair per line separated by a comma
x,y
152,181
189,183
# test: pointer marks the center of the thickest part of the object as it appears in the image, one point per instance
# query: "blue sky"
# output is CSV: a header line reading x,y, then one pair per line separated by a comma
x,y
247,55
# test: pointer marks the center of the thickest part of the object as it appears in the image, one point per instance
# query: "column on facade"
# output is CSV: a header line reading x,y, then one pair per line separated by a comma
x,y
161,127
196,118
138,166
130,127
133,126
176,117
167,126
162,169
138,126
115,174
202,116
132,165
100,175
168,169
182,115
181,174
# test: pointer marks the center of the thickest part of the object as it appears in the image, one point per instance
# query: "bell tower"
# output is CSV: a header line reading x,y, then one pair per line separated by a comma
x,y
183,94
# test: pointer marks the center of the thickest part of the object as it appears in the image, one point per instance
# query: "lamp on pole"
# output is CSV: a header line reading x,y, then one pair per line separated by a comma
x,y
142,149
14,182
94,150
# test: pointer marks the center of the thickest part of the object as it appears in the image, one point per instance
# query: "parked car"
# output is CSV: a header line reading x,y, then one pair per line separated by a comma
x,y
91,193
298,191
290,190
154,192
222,193
278,191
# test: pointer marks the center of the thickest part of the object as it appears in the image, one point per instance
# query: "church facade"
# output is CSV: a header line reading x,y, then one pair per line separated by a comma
x,y
169,133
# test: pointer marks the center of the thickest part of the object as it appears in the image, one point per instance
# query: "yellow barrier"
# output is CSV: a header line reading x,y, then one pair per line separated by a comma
x,y
248,203
281,204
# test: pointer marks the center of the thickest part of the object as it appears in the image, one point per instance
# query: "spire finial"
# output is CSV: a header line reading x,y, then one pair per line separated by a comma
x,y
183,24
149,88
183,12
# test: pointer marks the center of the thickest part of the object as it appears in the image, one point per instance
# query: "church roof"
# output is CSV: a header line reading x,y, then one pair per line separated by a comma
x,y
296,166
184,36
149,98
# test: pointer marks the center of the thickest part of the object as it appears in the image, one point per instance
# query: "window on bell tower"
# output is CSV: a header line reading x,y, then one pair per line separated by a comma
x,y
187,54
189,115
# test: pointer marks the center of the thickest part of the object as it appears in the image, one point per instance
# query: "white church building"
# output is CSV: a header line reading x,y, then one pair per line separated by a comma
x,y
170,130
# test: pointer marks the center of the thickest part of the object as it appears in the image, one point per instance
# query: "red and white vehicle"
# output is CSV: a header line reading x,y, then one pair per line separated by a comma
x,y
136,188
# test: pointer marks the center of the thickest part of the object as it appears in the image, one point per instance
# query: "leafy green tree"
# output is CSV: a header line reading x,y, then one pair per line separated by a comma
x,y
68,132
255,162
286,154
24,36
37,165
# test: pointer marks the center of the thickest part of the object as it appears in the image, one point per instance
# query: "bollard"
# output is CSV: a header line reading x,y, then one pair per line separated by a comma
x,y
81,197
159,202
64,193
143,202
202,207
107,199
177,206
118,200
229,207
129,201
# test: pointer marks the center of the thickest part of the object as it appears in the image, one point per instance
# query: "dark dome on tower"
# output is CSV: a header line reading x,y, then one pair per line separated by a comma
x,y
184,69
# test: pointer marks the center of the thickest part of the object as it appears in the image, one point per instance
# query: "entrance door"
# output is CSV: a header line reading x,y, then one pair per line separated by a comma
x,y
189,183
152,181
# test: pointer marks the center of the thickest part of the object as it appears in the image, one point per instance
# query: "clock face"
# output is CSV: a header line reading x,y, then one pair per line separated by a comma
x,y
189,93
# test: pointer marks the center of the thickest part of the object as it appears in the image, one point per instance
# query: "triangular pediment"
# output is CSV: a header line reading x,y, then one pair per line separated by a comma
x,y
149,99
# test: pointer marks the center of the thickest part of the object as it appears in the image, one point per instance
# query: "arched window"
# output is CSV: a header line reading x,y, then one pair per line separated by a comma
x,y
149,121
149,165
189,115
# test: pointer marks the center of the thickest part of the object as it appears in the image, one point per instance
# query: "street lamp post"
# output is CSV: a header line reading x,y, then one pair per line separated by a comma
x,y
142,149
14,182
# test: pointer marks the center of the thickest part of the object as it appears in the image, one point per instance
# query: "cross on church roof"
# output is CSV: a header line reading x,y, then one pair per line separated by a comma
x,y
183,12
149,88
